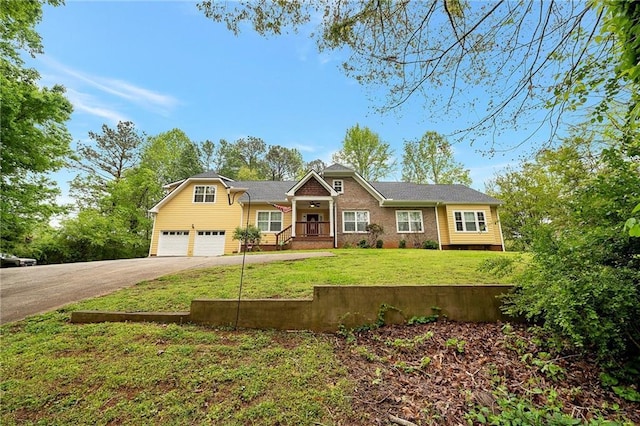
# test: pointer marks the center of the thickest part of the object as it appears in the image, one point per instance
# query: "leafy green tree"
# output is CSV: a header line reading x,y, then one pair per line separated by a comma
x,y
172,155
246,154
113,152
208,154
363,151
537,192
245,173
583,283
251,151
316,165
283,163
633,224
189,162
430,160
117,189
34,139
131,197
92,235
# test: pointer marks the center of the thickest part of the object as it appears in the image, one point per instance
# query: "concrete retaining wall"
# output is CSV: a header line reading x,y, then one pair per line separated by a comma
x,y
105,316
333,307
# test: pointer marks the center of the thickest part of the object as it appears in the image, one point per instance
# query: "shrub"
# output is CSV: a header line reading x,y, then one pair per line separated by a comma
x,y
363,244
249,236
430,245
374,231
583,283
402,244
379,243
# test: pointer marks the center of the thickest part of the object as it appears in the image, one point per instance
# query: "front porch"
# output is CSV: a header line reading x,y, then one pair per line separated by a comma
x,y
306,235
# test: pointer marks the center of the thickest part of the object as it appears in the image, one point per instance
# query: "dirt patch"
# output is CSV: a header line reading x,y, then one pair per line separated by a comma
x,y
434,374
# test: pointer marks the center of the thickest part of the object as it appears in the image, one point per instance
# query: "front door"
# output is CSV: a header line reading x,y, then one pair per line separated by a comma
x,y
312,224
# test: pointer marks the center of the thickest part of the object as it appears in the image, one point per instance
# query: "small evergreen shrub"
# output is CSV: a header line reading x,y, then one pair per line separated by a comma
x,y
363,244
430,245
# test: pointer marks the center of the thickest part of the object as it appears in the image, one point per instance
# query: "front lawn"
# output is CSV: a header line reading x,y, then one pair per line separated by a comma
x,y
57,373
295,279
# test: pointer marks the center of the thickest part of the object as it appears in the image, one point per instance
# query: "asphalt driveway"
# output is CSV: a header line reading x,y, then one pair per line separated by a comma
x,y
36,289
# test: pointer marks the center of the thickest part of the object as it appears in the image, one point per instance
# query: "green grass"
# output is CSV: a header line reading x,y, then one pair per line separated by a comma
x,y
57,373
296,279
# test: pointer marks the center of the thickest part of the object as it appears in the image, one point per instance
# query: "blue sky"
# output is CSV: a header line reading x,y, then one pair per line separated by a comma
x,y
163,65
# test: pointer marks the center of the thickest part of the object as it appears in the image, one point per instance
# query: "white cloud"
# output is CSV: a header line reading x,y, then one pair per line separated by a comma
x,y
88,104
149,99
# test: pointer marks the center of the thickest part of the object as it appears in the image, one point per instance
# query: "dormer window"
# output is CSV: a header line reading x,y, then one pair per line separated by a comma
x,y
204,194
338,186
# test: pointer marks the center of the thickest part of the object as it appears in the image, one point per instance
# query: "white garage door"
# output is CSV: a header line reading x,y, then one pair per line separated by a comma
x,y
173,243
209,243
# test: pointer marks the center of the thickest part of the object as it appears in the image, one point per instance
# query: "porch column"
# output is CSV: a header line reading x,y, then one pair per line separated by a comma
x,y
331,218
293,217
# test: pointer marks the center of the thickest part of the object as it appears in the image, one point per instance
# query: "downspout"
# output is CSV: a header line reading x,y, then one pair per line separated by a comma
x,y
438,227
500,229
153,232
335,225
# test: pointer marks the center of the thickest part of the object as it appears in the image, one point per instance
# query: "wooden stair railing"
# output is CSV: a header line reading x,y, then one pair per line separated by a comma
x,y
283,237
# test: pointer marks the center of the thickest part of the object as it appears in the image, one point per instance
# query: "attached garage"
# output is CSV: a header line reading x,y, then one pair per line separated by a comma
x,y
209,243
173,243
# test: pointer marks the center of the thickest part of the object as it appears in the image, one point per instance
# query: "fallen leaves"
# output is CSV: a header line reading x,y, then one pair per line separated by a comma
x,y
469,366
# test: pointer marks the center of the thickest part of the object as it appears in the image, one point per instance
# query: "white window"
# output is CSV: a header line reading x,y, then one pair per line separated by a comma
x,y
204,194
355,221
209,233
409,221
269,221
470,221
338,186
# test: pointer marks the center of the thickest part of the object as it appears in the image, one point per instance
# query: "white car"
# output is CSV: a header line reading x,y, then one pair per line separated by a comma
x,y
7,260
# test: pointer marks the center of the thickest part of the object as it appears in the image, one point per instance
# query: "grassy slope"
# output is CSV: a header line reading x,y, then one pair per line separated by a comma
x,y
54,372
295,279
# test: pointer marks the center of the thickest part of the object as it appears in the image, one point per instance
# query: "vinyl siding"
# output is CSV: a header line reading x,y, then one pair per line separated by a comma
x,y
181,213
492,236
268,238
495,226
443,224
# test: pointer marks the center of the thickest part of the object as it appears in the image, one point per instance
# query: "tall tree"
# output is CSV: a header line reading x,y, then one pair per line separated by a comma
x,y
113,152
246,154
34,139
208,153
430,160
538,191
172,155
316,165
283,163
189,162
251,151
363,151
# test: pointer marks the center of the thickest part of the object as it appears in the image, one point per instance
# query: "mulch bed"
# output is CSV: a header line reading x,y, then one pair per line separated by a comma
x,y
436,373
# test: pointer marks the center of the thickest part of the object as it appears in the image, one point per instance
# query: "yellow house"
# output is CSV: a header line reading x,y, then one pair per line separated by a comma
x,y
198,215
